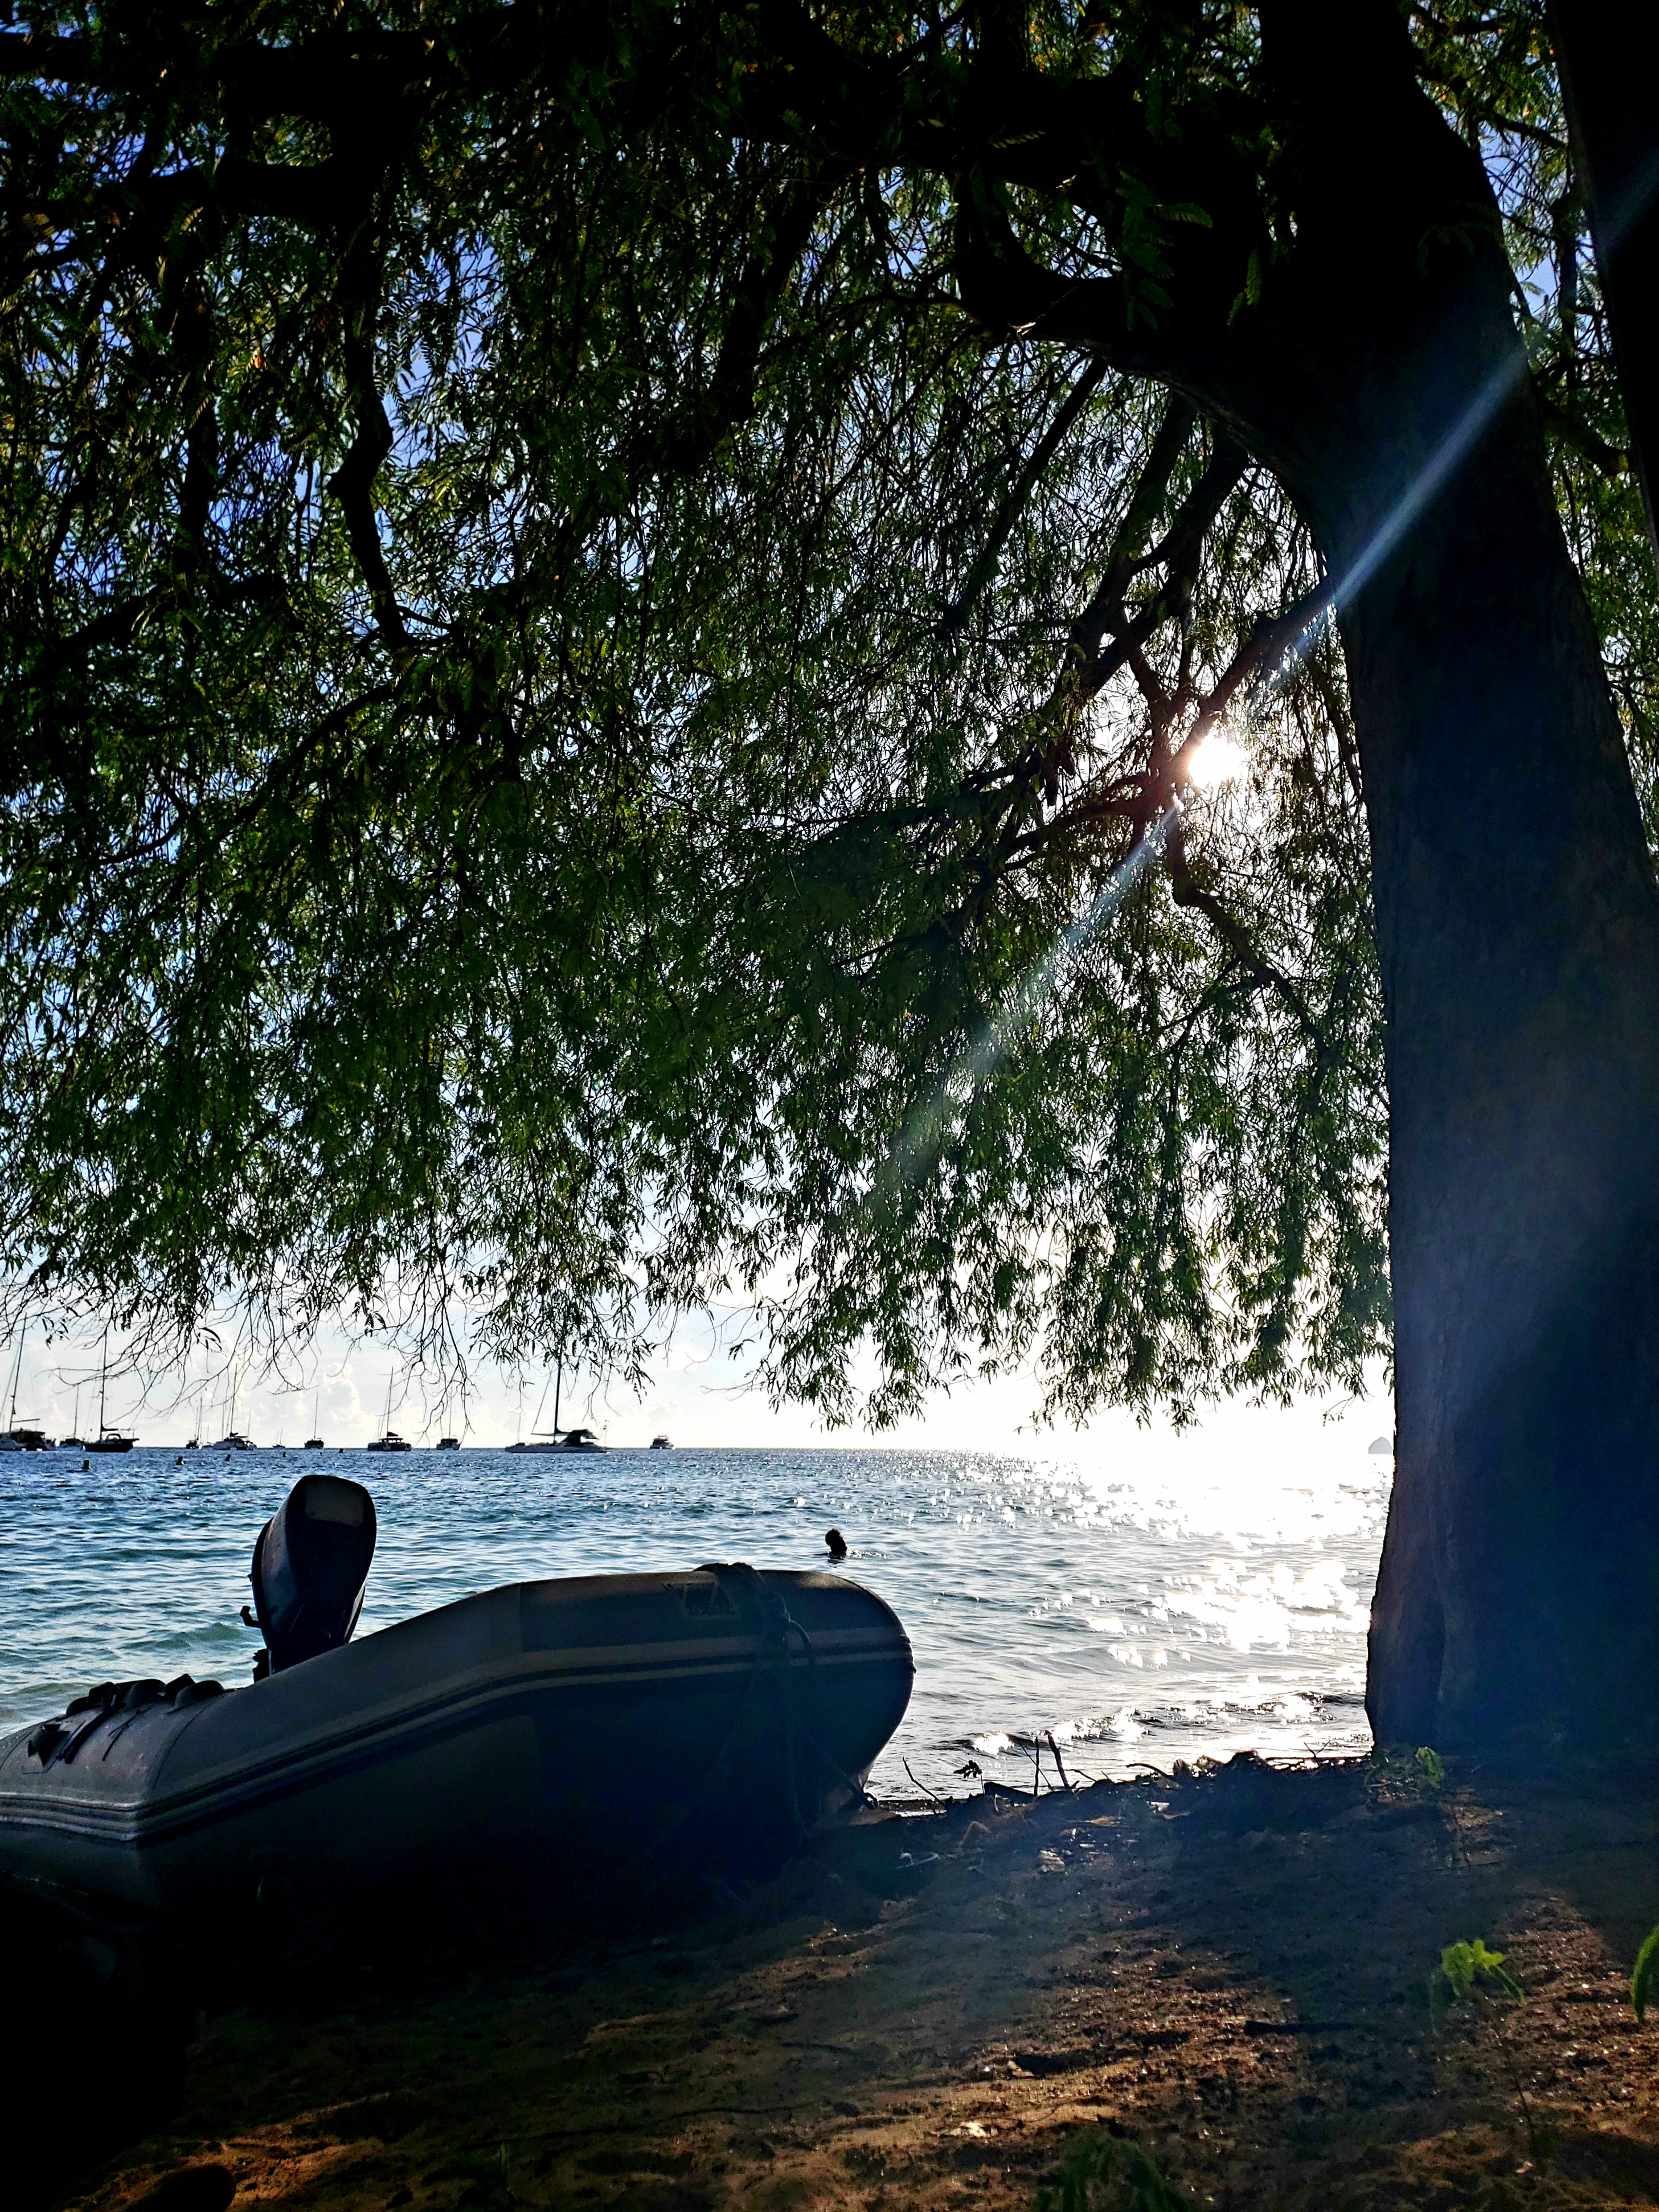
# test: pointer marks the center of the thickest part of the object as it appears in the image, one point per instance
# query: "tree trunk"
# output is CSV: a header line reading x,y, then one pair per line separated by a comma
x,y
1518,933
1518,936
1379,375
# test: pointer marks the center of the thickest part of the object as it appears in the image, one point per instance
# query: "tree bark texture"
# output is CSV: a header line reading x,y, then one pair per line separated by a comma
x,y
1518,937
1519,942
1517,915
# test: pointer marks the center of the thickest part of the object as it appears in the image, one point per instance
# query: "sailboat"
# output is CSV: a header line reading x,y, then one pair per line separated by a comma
x,y
194,1444
74,1443
233,1439
315,1443
447,1443
23,1439
558,1439
9,1443
107,1439
390,1442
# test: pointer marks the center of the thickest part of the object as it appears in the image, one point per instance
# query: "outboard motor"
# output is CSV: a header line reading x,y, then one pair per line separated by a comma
x,y
310,1567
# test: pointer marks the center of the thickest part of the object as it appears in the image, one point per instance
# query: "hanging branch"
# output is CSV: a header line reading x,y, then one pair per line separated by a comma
x,y
353,483
985,564
728,400
1187,891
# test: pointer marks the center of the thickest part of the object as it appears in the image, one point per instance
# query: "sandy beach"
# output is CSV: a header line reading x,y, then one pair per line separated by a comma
x,y
1231,1969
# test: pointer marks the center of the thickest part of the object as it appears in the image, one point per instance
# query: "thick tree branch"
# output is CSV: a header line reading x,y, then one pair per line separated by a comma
x,y
1107,615
1607,62
1268,643
48,60
1565,425
1087,670
1140,798
353,483
729,396
1011,294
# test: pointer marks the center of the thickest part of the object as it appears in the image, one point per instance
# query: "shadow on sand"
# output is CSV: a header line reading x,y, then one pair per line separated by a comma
x,y
1229,1967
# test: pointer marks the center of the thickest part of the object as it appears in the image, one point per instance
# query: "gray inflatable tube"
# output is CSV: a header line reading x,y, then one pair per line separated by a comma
x,y
586,1731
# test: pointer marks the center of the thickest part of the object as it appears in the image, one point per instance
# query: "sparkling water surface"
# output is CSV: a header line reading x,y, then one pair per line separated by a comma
x,y
1140,1619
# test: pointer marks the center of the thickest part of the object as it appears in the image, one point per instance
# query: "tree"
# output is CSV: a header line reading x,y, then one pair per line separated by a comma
x,y
609,613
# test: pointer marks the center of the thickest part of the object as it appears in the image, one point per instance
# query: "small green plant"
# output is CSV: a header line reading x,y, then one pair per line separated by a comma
x,y
1644,1982
1470,1971
1412,1777
1109,2173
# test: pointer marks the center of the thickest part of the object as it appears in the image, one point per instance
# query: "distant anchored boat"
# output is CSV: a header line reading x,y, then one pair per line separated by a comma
x,y
662,1443
558,1439
75,1442
18,1436
390,1442
738,1711
107,1439
449,1443
563,1440
233,1440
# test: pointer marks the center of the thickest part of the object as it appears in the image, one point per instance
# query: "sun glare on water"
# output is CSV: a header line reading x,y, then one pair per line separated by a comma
x,y
1217,760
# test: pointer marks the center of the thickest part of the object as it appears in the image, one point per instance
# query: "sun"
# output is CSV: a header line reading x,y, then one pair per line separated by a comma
x,y
1216,760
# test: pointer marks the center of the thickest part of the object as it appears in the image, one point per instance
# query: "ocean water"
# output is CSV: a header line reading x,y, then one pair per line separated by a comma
x,y
1139,1619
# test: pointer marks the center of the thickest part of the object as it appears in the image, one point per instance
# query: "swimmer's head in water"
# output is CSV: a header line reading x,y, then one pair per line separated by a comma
x,y
835,1544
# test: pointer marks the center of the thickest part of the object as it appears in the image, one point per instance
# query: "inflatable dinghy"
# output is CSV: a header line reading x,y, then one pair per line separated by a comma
x,y
588,1731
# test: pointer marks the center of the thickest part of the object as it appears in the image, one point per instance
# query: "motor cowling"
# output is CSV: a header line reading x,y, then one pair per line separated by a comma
x,y
310,1567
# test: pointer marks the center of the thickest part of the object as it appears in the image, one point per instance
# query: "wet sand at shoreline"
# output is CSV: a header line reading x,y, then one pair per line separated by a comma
x,y
1231,1969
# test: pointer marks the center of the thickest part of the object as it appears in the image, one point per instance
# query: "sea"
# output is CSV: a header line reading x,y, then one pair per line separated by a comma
x,y
1116,1620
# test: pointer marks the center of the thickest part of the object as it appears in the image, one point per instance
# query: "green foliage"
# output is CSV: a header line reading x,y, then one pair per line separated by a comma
x,y
1109,2173
1646,1975
1470,1970
1401,1776
567,709
1467,1971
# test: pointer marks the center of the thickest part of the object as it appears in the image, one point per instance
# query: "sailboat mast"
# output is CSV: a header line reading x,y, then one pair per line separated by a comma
x,y
17,1369
558,1387
103,1382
